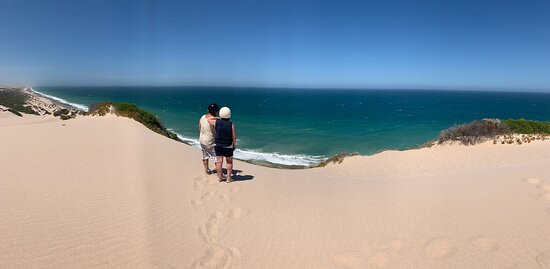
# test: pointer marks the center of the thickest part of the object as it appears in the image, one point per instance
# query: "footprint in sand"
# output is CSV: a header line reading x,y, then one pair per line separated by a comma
x,y
484,243
198,185
544,187
543,259
196,204
389,252
440,247
225,197
533,180
348,261
207,195
543,196
217,257
210,230
200,182
238,212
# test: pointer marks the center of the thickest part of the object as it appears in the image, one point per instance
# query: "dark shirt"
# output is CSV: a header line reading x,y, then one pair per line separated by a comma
x,y
224,133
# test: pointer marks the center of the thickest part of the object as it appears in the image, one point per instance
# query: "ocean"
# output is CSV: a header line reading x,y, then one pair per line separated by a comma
x,y
304,126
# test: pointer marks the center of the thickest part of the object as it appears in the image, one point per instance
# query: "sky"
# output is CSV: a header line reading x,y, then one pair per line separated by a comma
x,y
442,44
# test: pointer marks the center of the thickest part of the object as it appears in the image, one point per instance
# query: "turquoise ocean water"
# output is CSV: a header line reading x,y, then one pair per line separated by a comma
x,y
303,126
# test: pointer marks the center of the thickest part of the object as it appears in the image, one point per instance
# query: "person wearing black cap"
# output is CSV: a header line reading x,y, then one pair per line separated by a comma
x,y
206,136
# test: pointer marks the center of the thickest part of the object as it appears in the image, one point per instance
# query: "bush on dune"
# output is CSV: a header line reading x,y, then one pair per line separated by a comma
x,y
528,126
473,132
100,109
481,130
134,112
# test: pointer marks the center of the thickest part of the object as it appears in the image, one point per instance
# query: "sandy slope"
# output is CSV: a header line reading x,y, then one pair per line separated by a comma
x,y
108,192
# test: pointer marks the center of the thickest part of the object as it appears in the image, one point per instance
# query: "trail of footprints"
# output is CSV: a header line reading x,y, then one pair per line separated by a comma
x,y
385,253
215,256
393,251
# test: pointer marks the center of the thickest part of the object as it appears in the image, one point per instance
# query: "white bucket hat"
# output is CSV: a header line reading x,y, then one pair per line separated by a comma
x,y
225,113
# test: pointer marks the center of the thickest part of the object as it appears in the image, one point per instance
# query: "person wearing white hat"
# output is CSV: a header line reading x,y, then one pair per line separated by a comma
x,y
226,143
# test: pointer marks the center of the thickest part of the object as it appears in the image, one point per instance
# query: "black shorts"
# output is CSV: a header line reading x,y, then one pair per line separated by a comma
x,y
223,151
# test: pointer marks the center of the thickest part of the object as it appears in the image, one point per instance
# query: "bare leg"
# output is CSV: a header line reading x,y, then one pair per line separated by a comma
x,y
229,169
219,163
205,163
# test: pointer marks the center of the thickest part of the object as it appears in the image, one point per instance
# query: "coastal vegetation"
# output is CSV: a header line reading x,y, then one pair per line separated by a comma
x,y
528,126
134,112
503,131
336,159
15,101
21,101
65,114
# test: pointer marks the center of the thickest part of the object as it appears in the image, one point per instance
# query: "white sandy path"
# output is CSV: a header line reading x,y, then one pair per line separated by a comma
x,y
108,192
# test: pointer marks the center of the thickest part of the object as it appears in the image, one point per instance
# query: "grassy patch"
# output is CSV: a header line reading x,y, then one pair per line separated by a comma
x,y
16,101
15,112
336,159
134,112
528,126
100,109
61,112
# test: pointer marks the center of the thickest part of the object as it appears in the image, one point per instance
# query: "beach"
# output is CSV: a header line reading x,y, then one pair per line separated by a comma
x,y
108,192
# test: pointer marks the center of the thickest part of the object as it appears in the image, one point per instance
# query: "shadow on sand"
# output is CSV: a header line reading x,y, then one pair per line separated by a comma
x,y
237,175
242,177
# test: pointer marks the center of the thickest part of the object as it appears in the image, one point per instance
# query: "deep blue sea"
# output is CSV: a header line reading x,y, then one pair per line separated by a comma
x,y
303,126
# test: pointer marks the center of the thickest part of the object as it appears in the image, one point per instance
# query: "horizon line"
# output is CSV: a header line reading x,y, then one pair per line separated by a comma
x,y
359,88
464,89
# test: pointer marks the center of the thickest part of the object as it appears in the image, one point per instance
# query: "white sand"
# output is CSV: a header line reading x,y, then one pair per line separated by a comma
x,y
107,192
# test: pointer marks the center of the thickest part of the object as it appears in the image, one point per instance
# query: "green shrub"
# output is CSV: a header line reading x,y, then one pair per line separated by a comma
x,y
99,109
474,132
528,126
65,117
60,112
15,112
134,112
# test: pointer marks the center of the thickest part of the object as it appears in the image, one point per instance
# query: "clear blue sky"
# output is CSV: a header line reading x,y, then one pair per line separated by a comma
x,y
368,44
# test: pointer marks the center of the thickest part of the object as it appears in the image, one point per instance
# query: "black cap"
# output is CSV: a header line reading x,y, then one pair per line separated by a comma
x,y
213,109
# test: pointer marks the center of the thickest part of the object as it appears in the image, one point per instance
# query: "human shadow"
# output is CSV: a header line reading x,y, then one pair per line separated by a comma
x,y
236,175
242,177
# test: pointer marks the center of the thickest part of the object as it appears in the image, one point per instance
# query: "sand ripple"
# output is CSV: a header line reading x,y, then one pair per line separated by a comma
x,y
543,260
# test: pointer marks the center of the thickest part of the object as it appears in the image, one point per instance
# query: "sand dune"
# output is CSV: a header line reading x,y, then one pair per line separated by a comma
x,y
107,192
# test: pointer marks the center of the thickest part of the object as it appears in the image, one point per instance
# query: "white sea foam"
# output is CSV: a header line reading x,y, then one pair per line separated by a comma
x,y
269,157
278,158
61,100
